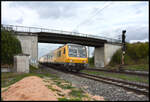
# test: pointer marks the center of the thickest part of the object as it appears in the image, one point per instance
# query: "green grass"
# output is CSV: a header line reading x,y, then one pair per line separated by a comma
x,y
77,93
65,86
134,78
72,99
50,87
6,89
141,67
8,78
33,69
91,65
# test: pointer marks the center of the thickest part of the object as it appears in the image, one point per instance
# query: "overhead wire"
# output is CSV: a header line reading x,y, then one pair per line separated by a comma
x,y
98,11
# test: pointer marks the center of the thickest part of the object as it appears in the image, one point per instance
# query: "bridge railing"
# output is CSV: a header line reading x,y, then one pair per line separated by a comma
x,y
35,29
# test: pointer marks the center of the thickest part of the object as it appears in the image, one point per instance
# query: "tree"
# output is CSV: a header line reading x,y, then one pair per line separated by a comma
x,y
10,46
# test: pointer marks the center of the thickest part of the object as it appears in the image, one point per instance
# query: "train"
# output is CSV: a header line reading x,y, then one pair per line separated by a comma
x,y
70,57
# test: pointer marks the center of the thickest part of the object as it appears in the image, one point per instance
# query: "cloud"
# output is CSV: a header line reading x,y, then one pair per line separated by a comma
x,y
84,17
45,10
134,41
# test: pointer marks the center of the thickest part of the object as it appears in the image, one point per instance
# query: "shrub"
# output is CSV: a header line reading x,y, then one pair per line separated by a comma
x,y
128,60
116,58
136,53
10,46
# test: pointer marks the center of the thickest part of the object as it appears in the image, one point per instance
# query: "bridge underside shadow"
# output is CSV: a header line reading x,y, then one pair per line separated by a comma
x,y
64,39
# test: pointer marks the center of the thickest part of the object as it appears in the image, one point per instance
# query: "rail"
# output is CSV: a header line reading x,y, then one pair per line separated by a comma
x,y
138,88
123,72
36,29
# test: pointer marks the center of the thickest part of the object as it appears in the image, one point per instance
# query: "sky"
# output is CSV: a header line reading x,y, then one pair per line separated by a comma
x,y
107,18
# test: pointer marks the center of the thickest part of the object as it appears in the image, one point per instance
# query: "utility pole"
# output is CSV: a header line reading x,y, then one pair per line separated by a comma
x,y
123,48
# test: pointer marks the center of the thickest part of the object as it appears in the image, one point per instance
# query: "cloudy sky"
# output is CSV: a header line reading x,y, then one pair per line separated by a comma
x,y
107,18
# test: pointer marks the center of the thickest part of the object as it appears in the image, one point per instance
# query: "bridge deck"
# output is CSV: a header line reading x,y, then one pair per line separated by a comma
x,y
62,37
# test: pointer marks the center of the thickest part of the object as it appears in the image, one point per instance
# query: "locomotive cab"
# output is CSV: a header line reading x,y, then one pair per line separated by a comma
x,y
77,57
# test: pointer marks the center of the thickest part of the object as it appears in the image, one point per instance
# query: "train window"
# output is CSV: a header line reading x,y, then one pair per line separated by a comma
x,y
77,51
64,51
59,54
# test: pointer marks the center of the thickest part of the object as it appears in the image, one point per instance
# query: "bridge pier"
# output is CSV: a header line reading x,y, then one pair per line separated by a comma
x,y
103,55
99,56
29,44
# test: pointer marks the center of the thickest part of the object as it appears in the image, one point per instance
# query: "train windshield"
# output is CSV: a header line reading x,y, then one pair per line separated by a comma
x,y
77,51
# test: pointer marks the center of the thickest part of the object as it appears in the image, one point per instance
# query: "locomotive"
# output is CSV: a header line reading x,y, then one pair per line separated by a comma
x,y
70,57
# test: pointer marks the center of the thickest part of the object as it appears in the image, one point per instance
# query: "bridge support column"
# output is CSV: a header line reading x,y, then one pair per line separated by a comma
x,y
103,55
29,44
99,56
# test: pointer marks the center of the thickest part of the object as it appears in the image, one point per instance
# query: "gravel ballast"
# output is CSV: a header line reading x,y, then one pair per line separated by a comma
x,y
109,92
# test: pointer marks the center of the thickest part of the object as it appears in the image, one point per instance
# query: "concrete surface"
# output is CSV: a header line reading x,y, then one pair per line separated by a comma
x,y
29,45
5,69
99,56
103,55
21,63
109,50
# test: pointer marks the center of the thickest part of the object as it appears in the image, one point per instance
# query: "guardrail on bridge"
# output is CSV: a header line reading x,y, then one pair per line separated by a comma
x,y
35,29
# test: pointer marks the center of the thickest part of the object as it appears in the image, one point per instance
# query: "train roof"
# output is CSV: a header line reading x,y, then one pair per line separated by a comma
x,y
74,44
69,44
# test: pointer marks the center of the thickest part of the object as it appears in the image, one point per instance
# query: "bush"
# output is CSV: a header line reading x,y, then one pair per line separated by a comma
x,y
136,53
138,50
128,60
10,46
116,58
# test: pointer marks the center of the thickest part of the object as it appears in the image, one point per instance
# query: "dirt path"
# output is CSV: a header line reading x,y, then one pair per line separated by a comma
x,y
29,88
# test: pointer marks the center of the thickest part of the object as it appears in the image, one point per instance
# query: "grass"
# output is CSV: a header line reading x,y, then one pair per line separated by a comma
x,y
138,67
50,87
77,93
11,78
6,89
141,67
91,65
72,99
59,82
8,78
134,78
66,86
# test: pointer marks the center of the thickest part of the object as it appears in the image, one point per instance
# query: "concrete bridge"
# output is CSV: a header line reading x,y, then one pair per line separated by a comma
x,y
30,36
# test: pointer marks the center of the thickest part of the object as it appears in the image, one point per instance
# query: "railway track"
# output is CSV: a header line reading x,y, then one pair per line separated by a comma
x,y
121,72
140,89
